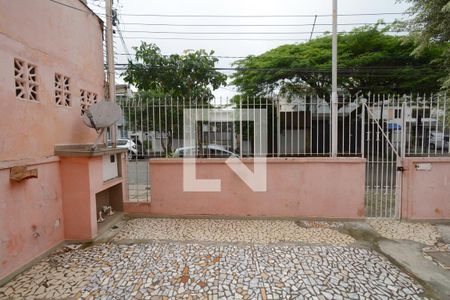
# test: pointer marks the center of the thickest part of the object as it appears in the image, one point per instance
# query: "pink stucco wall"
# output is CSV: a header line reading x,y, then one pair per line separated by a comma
x,y
296,187
81,181
56,39
79,224
30,207
426,193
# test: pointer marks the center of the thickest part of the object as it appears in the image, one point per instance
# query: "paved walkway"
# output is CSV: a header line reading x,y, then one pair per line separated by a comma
x,y
184,259
247,231
177,270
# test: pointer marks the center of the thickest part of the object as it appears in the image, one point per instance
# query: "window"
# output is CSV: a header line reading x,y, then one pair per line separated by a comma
x,y
397,113
25,80
62,90
419,113
87,99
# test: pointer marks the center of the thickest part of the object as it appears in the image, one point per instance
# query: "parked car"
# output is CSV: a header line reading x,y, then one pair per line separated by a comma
x,y
208,151
142,151
438,140
127,144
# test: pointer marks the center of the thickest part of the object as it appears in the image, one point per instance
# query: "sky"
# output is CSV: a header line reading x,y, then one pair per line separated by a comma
x,y
158,21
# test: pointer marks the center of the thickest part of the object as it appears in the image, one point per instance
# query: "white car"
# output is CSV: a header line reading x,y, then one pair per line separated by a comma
x,y
438,140
208,151
127,144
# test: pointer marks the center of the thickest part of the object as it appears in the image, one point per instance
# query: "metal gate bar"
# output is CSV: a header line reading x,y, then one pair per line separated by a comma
x,y
381,128
381,169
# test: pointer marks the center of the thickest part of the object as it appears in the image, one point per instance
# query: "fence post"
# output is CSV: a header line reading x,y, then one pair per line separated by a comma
x,y
363,126
240,127
403,139
399,179
278,128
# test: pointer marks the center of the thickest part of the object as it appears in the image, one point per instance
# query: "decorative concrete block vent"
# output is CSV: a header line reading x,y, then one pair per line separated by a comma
x,y
62,90
87,99
25,78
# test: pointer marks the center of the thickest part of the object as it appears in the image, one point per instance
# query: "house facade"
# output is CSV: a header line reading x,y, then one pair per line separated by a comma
x,y
51,57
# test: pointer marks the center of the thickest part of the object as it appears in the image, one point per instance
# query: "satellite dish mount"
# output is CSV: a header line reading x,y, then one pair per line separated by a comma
x,y
100,116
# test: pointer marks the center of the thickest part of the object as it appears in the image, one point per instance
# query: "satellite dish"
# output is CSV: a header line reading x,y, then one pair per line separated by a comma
x,y
100,116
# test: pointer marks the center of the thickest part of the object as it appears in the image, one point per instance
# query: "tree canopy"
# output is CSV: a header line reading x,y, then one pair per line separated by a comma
x,y
166,80
430,22
190,75
368,58
430,25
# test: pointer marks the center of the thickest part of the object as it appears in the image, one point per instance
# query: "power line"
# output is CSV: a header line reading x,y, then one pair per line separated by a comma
x,y
364,68
358,71
260,16
313,26
355,76
237,16
253,25
124,45
69,6
149,38
209,39
292,56
238,32
216,56
214,32
392,67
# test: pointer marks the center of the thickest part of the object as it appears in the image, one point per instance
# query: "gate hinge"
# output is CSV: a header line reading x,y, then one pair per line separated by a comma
x,y
400,168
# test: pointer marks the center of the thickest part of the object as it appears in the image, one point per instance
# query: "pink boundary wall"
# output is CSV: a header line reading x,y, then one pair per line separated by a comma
x,y
31,215
296,187
426,194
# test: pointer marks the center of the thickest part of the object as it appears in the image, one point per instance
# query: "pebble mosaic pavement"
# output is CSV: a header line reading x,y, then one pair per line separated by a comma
x,y
173,266
252,231
418,232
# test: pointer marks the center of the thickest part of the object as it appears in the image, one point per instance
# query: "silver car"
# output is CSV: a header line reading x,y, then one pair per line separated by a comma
x,y
127,144
208,151
438,140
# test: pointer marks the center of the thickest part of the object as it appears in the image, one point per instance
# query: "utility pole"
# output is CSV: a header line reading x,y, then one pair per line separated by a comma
x,y
110,62
334,94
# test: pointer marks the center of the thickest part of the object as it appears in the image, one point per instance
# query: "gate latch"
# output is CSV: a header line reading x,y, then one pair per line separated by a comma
x,y
400,168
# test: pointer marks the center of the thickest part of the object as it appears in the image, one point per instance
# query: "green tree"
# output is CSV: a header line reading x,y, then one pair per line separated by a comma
x,y
369,61
430,25
167,84
190,75
149,111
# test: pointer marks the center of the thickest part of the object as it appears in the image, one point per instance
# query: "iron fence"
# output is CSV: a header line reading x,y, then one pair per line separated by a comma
x,y
381,128
298,127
